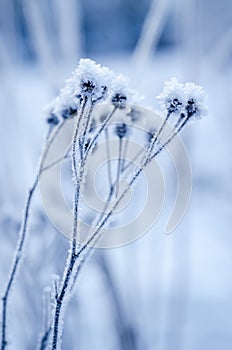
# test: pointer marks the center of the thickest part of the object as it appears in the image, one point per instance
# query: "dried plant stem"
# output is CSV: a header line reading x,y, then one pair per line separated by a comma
x,y
57,326
18,255
125,153
43,338
156,137
69,273
119,165
86,128
173,135
151,146
89,250
77,176
109,169
102,128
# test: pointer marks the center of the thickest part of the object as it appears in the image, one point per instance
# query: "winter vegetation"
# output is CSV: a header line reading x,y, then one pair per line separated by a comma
x,y
59,289
89,86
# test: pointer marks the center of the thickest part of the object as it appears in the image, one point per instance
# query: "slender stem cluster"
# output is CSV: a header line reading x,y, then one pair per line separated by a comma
x,y
78,146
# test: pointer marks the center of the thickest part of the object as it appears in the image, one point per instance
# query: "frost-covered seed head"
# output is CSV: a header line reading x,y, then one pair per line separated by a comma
x,y
69,112
185,100
65,105
119,100
195,97
121,130
52,119
191,108
92,80
120,93
87,87
174,105
173,98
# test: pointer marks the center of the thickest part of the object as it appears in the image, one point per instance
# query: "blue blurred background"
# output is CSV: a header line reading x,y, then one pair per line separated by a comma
x,y
162,292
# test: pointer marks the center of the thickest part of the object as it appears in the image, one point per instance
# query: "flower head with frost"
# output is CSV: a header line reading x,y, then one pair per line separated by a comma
x,y
89,80
173,98
92,80
121,130
120,93
195,101
65,105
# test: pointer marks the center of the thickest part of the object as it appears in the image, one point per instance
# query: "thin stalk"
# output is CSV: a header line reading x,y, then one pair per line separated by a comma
x,y
47,332
102,128
43,339
179,128
82,138
119,165
151,146
56,332
109,169
130,164
54,163
156,136
71,259
76,176
87,126
79,267
18,255
124,153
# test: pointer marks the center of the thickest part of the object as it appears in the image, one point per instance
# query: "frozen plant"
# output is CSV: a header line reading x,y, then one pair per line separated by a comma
x,y
93,85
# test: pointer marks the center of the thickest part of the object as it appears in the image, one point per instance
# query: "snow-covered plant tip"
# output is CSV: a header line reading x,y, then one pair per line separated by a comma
x,y
186,100
90,86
